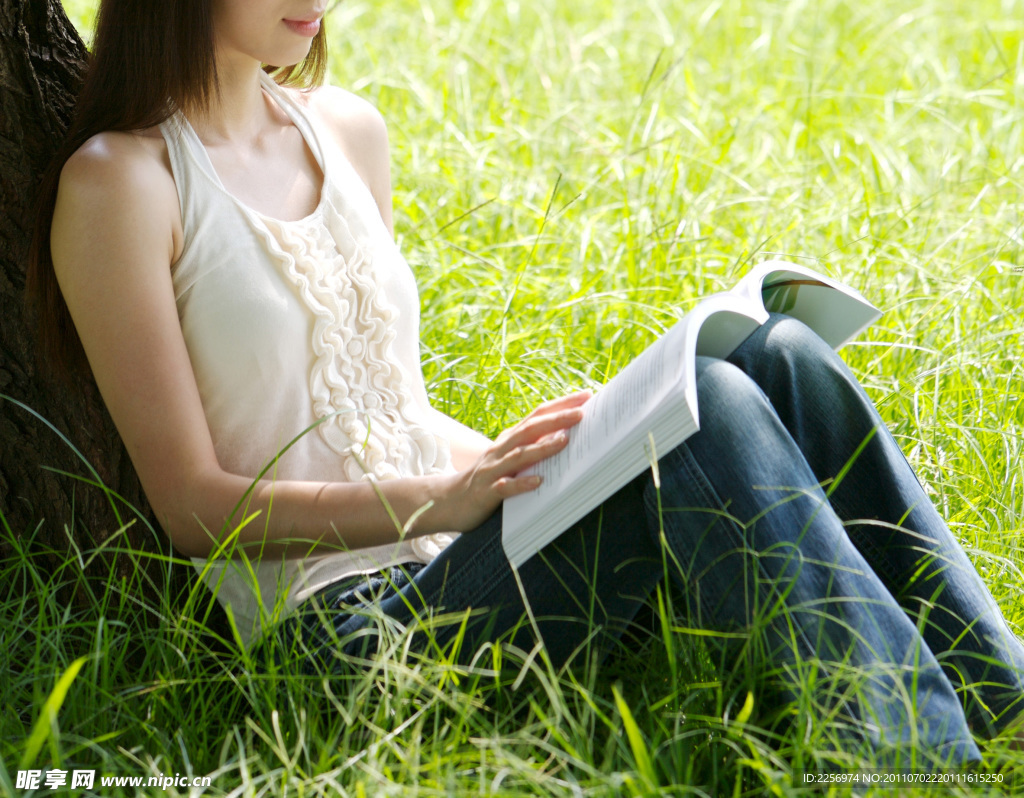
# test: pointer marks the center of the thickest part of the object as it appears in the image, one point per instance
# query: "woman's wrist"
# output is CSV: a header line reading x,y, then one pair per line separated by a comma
x,y
421,505
442,514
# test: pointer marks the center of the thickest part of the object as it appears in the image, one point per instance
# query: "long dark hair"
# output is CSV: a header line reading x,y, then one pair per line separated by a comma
x,y
149,59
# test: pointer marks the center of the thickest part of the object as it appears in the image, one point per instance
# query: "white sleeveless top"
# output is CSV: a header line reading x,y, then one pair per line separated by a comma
x,y
292,326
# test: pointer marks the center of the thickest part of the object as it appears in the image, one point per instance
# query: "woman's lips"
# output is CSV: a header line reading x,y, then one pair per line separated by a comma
x,y
304,27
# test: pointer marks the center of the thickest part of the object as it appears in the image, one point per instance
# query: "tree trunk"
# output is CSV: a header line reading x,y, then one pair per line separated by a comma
x,y
42,59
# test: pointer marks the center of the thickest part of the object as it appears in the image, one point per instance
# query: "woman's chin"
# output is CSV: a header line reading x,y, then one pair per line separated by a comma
x,y
288,60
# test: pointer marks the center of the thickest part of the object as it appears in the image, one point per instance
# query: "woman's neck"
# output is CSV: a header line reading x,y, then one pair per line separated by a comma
x,y
237,112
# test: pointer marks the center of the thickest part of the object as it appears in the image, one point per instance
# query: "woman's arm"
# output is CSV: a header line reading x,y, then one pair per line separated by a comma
x,y
116,232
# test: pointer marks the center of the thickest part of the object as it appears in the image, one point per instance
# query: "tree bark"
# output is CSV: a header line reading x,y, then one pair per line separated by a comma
x,y
42,60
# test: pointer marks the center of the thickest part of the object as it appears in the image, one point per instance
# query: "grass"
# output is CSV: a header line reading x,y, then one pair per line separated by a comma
x,y
582,173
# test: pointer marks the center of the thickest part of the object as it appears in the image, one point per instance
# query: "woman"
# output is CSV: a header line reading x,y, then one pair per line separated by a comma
x,y
223,247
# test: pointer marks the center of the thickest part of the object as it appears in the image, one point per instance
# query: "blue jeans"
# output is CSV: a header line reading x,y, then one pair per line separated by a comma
x,y
793,514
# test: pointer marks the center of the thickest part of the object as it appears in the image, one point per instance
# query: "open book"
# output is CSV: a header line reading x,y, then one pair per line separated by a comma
x,y
654,399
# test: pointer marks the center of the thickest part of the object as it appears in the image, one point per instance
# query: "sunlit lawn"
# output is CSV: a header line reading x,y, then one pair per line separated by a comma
x,y
569,178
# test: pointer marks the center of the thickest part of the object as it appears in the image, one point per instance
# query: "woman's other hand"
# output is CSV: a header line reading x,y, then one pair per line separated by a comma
x,y
475,493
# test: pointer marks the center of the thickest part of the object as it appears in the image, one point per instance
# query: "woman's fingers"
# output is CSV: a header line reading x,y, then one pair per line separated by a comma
x,y
533,430
507,462
540,435
550,411
522,457
561,403
498,473
506,487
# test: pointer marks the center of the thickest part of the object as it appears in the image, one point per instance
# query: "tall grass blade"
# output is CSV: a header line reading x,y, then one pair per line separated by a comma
x,y
46,723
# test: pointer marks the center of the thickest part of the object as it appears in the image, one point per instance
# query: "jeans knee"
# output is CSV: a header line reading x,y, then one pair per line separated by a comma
x,y
729,401
792,343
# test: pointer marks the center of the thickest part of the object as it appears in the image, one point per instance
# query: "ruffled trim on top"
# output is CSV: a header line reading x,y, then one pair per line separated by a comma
x,y
355,383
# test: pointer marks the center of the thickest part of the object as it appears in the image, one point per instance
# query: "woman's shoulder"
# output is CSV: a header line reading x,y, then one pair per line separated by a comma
x,y
117,167
345,114
113,175
118,155
356,128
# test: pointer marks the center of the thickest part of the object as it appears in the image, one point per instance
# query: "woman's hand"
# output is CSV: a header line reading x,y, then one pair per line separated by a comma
x,y
475,493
